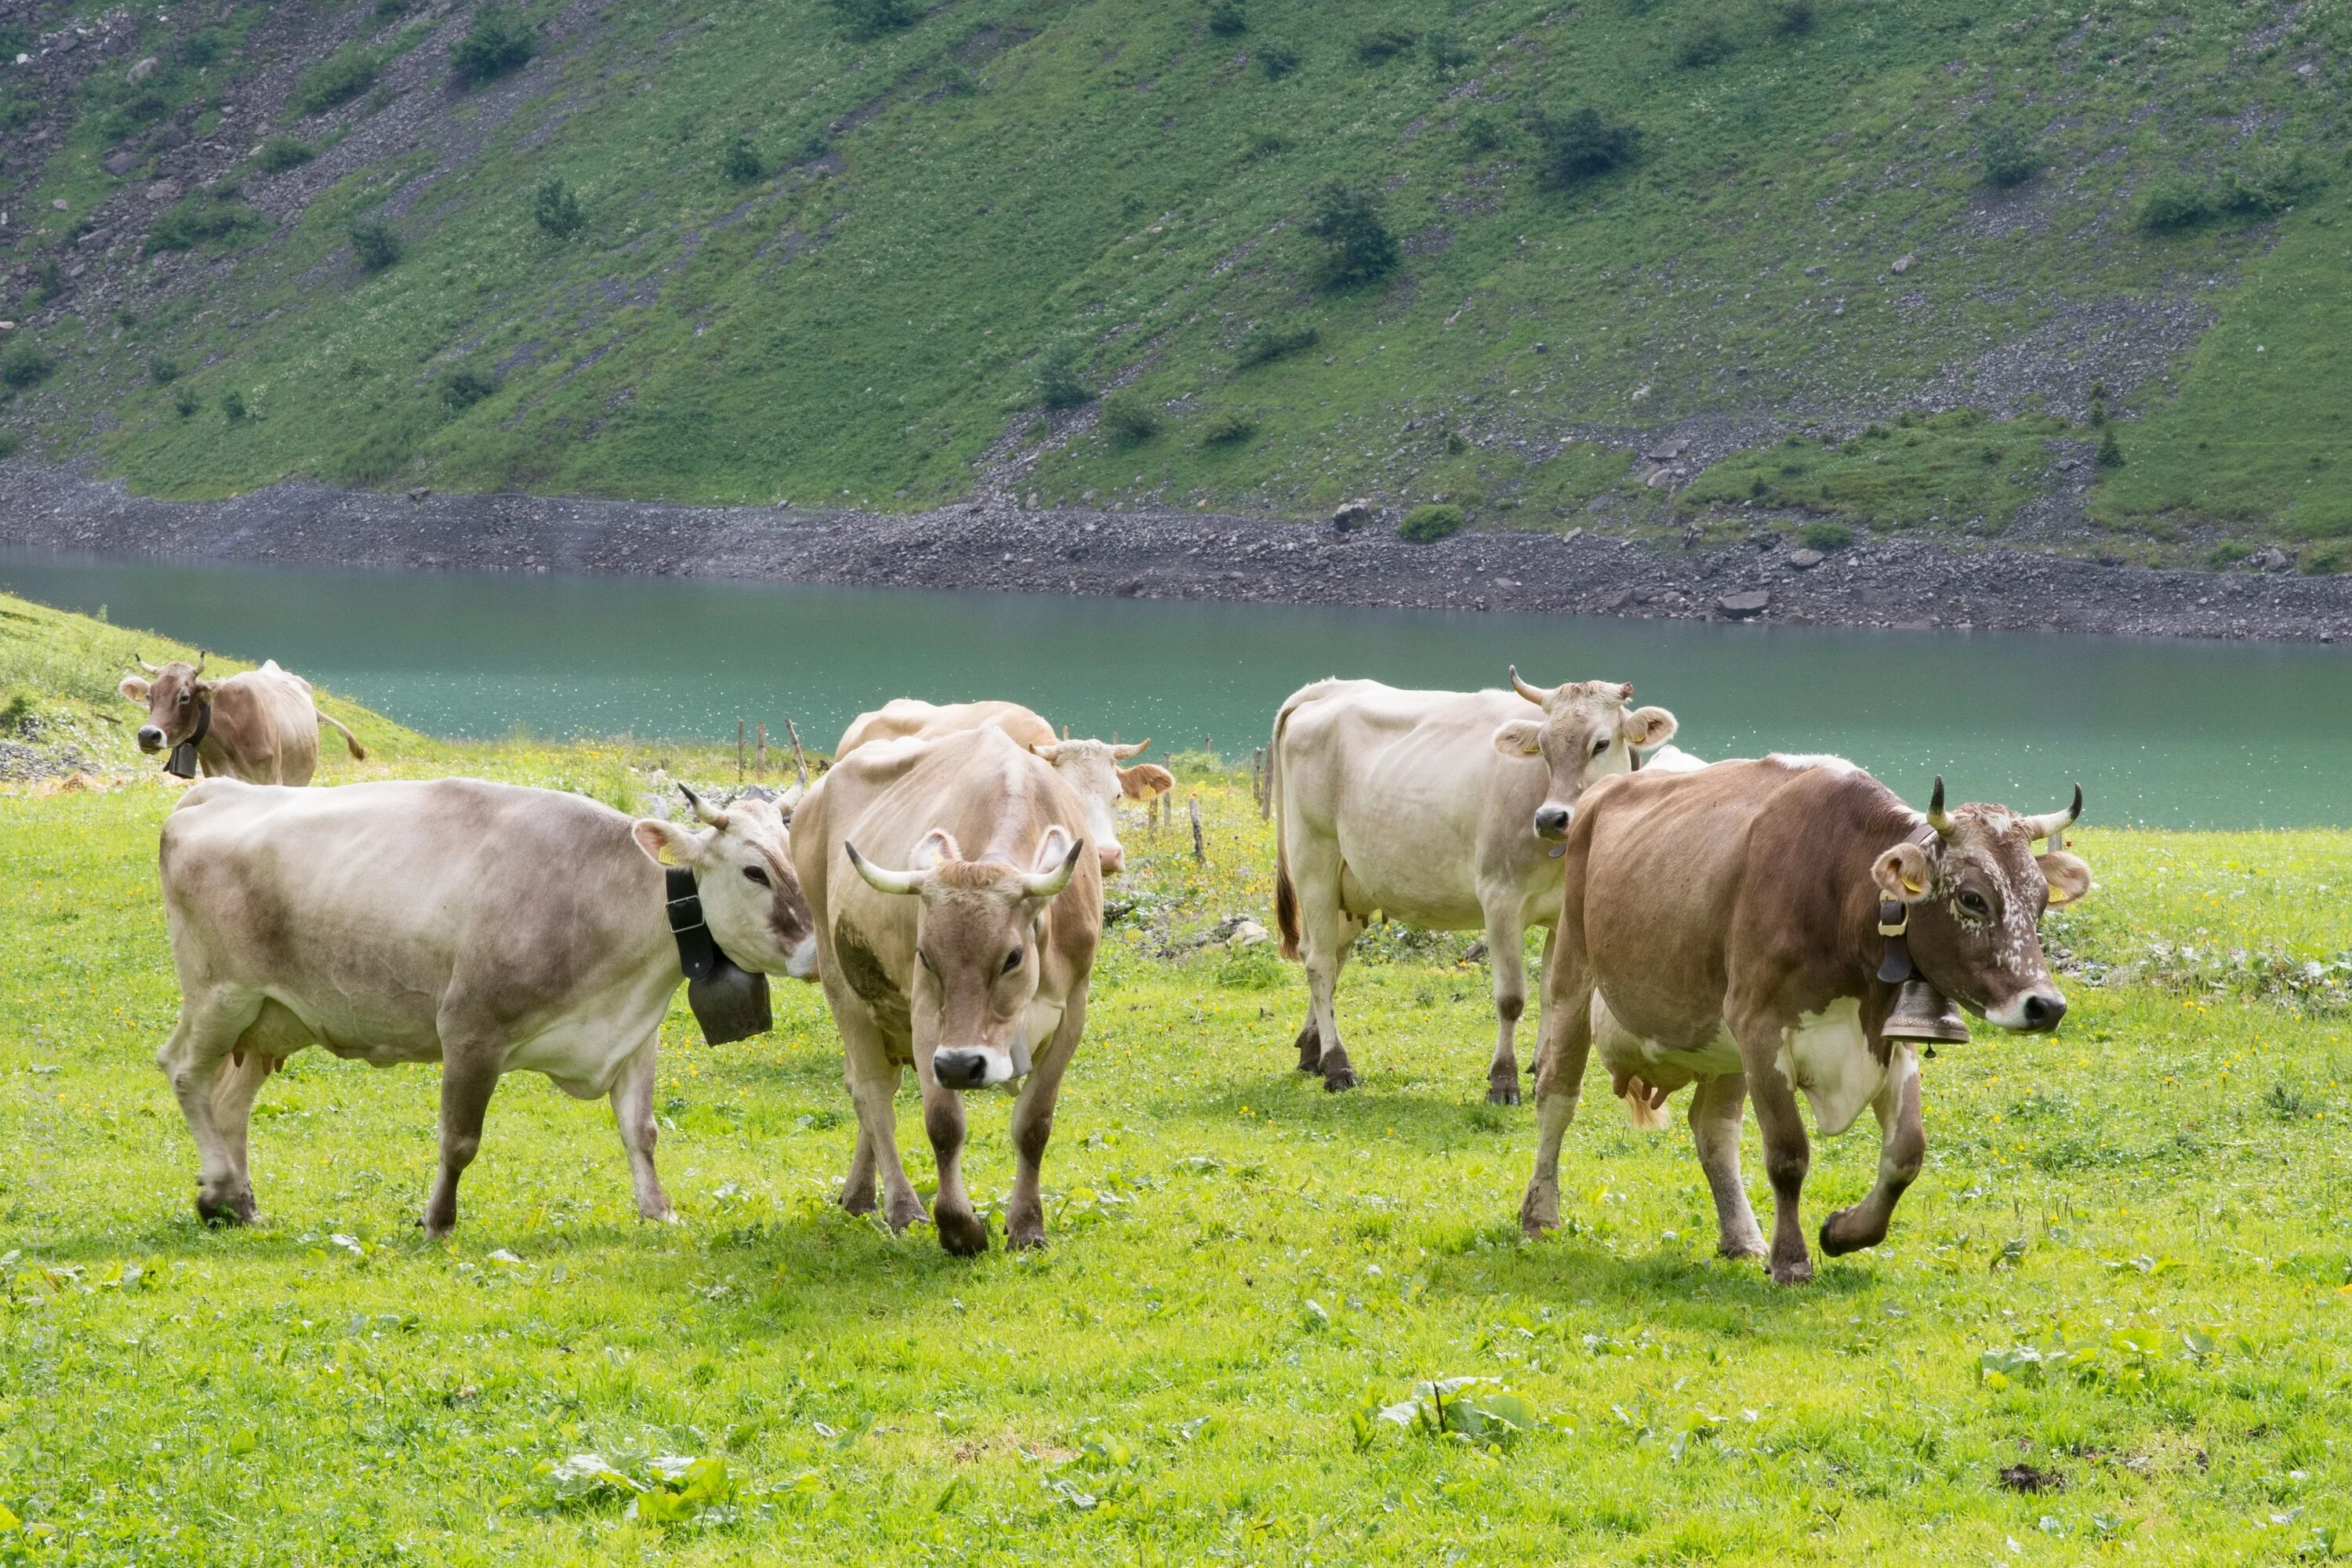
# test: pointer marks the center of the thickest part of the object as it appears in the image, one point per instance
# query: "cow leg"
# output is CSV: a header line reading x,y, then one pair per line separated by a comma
x,y
1033,1124
1327,930
873,1080
191,1061
1902,1144
962,1230
1788,1152
632,1113
234,1085
469,1072
1507,950
1310,1044
1565,1041
1714,1134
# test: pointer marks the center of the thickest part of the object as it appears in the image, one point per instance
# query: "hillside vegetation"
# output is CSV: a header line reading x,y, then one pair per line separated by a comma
x,y
2076,278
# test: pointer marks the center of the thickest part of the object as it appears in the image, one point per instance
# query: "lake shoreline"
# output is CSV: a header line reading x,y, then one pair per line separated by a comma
x,y
994,543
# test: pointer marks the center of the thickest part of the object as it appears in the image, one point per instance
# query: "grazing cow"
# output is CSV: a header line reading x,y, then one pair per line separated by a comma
x,y
261,726
1444,809
957,915
484,927
1089,767
1724,928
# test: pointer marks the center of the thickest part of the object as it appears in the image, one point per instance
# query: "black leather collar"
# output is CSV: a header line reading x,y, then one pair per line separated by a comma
x,y
181,763
730,1002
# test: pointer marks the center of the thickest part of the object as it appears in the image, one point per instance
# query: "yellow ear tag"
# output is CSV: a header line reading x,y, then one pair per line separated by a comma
x,y
1911,886
1535,751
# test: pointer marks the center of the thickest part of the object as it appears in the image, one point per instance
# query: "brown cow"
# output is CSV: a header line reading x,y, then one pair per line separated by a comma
x,y
1723,926
972,966
261,726
1089,767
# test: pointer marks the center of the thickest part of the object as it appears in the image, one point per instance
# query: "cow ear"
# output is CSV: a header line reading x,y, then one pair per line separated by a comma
x,y
1649,727
667,843
204,690
1047,750
134,688
1520,737
1904,873
938,845
1131,783
2069,875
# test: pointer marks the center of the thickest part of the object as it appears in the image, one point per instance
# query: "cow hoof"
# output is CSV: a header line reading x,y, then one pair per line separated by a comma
x,y
1837,1241
965,1234
910,1213
1801,1272
1742,1251
857,1203
1027,1237
235,1209
1336,1081
1503,1094
662,1215
1539,1214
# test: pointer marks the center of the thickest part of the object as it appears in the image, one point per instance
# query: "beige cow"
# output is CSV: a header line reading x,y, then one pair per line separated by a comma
x,y
1442,809
1089,767
261,726
957,914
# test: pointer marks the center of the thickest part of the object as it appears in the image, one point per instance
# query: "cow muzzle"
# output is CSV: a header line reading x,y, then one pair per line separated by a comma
x,y
1112,855
1552,819
2034,1011
151,739
801,963
979,1067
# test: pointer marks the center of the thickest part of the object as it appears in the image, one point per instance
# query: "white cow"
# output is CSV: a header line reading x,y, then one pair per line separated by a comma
x,y
484,927
1442,809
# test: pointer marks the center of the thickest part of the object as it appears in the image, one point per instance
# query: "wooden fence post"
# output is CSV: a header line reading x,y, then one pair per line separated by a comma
x,y
1200,850
800,758
759,762
739,751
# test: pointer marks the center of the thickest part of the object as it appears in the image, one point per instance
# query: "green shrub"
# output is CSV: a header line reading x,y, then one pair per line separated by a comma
x,y
197,220
1229,428
2267,183
2007,157
385,10
739,162
162,371
200,49
1276,60
337,80
280,154
1057,381
1227,19
49,279
1255,966
1129,419
1266,145
1428,524
1359,248
1792,18
23,365
1481,134
498,44
2111,451
185,401
872,18
1826,536
2229,552
2173,202
2328,559
1266,342
10,442
1703,42
556,210
233,407
374,245
1580,145
465,385
1446,53
1384,43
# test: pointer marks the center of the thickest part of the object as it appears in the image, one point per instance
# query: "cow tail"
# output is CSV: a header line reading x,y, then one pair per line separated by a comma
x,y
1285,893
358,753
1643,1116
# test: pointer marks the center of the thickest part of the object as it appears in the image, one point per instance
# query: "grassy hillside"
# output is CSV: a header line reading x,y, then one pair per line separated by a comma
x,y
802,252
2120,1280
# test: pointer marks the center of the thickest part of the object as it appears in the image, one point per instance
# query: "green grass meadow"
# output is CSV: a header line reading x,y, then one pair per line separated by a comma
x,y
2125,1267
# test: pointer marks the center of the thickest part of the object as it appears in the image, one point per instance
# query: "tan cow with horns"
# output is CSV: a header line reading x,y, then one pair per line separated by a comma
x,y
261,726
1442,809
1747,928
957,910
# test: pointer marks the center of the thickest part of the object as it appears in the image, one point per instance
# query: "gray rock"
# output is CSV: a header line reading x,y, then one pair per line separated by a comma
x,y
1805,560
1902,264
2272,559
1353,514
1739,607
124,162
163,191
142,70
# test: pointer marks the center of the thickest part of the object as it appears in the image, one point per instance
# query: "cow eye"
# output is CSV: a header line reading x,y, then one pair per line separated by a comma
x,y
1974,903
183,697
926,960
757,873
1012,960
1601,745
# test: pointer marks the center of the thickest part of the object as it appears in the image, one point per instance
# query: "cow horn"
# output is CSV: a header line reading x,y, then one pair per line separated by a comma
x,y
201,656
2050,824
880,880
1936,817
1532,693
1046,884
150,668
1137,750
703,811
